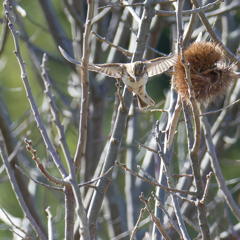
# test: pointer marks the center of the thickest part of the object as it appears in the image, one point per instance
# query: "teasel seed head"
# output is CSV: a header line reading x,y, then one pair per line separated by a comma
x,y
211,75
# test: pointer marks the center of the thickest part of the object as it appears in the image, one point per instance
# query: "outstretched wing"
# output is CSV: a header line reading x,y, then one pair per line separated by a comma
x,y
115,70
67,57
160,65
110,69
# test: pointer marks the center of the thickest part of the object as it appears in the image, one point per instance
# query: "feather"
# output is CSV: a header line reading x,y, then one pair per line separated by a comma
x,y
160,65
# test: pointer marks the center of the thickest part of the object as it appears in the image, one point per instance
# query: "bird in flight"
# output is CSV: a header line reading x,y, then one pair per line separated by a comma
x,y
134,75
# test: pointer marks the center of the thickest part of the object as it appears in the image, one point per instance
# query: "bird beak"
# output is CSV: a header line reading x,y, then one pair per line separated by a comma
x,y
136,78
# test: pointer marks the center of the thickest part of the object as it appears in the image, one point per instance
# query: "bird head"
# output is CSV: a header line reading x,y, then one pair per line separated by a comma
x,y
138,70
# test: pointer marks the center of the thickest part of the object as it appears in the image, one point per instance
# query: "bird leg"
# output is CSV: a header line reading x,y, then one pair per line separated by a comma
x,y
119,93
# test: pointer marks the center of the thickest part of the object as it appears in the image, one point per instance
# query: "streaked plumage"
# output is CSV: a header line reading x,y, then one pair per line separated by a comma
x,y
134,75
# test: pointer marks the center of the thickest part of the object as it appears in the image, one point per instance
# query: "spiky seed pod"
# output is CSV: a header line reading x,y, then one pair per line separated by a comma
x,y
210,74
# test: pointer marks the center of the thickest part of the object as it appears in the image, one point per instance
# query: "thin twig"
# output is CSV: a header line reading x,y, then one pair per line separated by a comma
x,y
190,28
97,172
216,168
148,148
42,129
19,194
147,174
13,154
221,10
185,199
74,14
95,180
154,183
174,121
16,225
50,224
101,39
204,197
219,110
121,120
4,34
55,112
214,36
41,167
37,182
100,15
157,52
182,175
160,205
191,224
121,5
201,208
158,110
140,218
82,133
132,11
188,12
83,121
126,233
22,238
155,219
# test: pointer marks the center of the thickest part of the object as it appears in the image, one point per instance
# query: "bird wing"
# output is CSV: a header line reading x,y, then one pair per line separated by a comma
x,y
67,57
110,69
161,64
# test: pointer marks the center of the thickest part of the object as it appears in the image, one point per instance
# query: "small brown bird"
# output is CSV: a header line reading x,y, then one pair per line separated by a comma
x,y
134,75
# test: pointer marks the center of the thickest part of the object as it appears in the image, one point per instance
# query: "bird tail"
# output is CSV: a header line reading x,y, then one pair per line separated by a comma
x,y
144,101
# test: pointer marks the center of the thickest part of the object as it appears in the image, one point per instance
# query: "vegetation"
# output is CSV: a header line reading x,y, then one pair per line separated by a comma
x,y
81,160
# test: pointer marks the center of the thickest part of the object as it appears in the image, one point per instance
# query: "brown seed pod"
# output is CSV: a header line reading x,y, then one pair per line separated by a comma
x,y
210,74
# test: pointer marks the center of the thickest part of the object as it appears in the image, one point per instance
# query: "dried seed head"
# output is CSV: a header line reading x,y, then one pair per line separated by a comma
x,y
210,74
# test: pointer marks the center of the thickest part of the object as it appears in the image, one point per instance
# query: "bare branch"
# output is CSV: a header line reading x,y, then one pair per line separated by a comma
x,y
85,91
196,228
214,36
41,167
18,193
131,10
100,15
204,197
158,110
155,183
160,205
125,4
16,225
55,113
155,219
216,168
50,224
4,34
37,182
32,102
140,218
174,121
219,110
195,148
170,182
124,51
148,148
189,12
121,121
95,180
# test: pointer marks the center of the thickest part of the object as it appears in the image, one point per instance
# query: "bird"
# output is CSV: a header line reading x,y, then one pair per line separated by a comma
x,y
134,75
